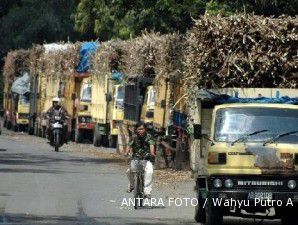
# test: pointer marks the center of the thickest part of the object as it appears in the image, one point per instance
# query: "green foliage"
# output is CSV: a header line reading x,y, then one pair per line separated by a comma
x,y
128,18
258,7
25,22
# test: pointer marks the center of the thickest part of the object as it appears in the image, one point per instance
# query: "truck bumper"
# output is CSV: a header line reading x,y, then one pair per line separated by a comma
x,y
22,121
249,187
86,126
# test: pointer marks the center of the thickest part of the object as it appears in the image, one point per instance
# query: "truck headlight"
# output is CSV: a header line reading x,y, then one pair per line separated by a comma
x,y
292,184
229,183
217,183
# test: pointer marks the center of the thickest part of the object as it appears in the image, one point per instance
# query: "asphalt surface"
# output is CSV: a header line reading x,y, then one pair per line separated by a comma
x,y
40,186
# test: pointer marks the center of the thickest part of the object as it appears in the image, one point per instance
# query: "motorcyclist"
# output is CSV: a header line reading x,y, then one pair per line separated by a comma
x,y
141,144
56,110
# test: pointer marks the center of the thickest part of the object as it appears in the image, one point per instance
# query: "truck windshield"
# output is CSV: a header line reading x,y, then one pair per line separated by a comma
x,y
86,93
232,123
120,98
24,100
151,98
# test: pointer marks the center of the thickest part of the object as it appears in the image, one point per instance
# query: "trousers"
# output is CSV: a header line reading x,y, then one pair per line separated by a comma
x,y
148,175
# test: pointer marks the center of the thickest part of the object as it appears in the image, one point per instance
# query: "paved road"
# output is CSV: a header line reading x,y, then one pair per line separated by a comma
x,y
39,186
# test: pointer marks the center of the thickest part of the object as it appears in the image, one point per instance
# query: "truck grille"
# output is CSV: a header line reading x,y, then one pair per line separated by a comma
x,y
257,182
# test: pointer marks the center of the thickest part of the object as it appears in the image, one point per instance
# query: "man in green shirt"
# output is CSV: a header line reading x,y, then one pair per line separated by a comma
x,y
139,146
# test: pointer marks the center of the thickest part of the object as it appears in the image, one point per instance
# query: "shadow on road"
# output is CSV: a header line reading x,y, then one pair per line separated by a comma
x,y
43,160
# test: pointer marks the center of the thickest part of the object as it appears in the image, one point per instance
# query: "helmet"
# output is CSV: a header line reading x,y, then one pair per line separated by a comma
x,y
56,99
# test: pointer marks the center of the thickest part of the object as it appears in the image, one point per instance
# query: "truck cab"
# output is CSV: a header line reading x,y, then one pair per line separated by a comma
x,y
84,124
147,113
22,113
248,164
117,109
18,116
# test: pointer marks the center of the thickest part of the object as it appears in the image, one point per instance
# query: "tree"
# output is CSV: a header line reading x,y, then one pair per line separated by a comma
x,y
25,22
126,18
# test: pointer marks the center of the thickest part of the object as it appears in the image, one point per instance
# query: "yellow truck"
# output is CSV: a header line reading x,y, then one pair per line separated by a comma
x,y
244,154
107,109
17,116
16,103
84,126
73,87
47,85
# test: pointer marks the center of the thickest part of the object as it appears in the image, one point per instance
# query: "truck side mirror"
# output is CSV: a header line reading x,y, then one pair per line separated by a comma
x,y
197,131
108,97
73,96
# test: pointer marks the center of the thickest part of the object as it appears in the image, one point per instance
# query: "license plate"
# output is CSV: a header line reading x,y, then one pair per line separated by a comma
x,y
57,125
260,195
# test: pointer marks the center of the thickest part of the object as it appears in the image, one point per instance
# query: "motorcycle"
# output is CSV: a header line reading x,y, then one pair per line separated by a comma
x,y
57,130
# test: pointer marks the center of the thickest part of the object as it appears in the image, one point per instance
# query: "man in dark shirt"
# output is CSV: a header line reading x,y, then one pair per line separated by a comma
x,y
141,144
56,110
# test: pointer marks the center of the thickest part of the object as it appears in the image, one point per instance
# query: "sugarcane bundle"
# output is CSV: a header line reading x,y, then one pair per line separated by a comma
x,y
242,51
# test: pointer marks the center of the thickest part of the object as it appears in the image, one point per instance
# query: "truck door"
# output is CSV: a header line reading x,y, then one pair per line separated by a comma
x,y
132,101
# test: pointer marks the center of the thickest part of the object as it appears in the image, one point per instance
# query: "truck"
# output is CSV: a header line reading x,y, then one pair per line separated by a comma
x,y
83,126
16,104
82,123
47,84
138,105
244,149
107,108
73,88
165,105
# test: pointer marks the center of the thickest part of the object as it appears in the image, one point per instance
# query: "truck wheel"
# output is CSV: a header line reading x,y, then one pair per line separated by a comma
x,y
16,128
78,136
105,140
213,214
31,131
8,125
160,161
200,213
112,139
97,138
289,216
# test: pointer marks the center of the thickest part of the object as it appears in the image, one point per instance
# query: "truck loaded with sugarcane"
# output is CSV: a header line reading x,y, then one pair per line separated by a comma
x,y
243,105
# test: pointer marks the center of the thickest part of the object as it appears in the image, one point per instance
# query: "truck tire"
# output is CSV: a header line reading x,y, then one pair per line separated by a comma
x,y
160,161
97,139
289,216
213,214
112,139
8,125
179,155
30,130
200,213
16,128
78,136
105,141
